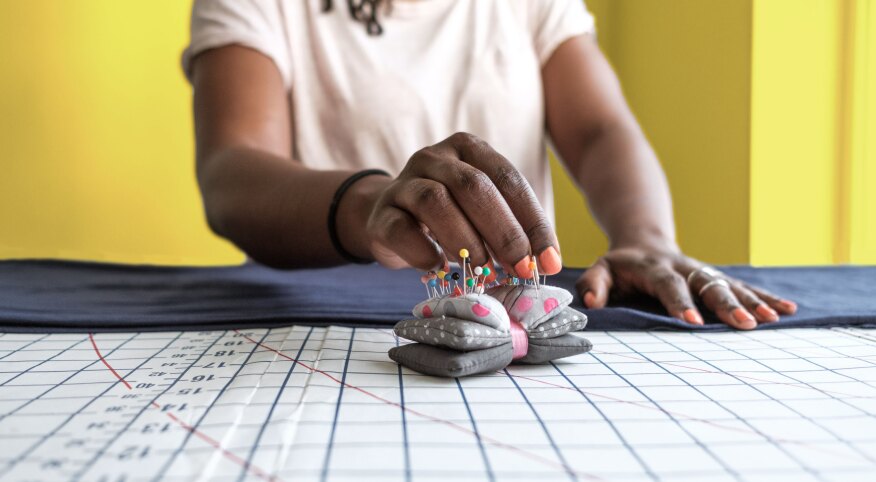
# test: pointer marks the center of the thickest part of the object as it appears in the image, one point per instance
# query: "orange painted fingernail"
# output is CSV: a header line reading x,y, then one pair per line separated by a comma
x,y
788,305
589,299
742,316
692,316
550,261
766,313
522,268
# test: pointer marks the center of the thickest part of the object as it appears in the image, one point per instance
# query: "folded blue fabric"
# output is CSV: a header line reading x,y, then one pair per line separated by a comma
x,y
51,296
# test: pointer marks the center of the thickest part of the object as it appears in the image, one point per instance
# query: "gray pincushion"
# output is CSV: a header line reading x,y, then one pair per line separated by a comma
x,y
465,335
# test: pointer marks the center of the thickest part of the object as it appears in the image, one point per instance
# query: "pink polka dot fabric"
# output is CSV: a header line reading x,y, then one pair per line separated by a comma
x,y
529,305
482,309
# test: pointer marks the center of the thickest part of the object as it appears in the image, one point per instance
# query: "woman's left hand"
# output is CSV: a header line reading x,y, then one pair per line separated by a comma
x,y
664,272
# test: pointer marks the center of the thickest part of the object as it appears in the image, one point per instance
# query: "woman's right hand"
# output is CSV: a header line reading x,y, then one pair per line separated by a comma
x,y
459,193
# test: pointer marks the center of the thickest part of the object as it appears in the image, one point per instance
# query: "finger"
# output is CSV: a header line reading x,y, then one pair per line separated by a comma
x,y
478,198
783,306
445,264
723,302
396,234
671,289
595,284
431,203
521,199
523,203
753,303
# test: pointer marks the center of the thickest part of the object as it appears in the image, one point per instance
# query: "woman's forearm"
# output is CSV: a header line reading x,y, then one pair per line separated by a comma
x,y
255,193
625,187
276,210
599,140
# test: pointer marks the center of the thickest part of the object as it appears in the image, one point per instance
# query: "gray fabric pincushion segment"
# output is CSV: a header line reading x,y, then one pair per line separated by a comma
x,y
482,309
543,350
443,362
462,335
568,319
529,305
468,335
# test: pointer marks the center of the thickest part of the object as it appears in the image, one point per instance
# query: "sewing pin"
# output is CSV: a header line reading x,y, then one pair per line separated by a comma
x,y
425,280
463,253
534,268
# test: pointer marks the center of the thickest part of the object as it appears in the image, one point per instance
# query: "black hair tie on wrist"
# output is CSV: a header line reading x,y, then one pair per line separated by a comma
x,y
333,213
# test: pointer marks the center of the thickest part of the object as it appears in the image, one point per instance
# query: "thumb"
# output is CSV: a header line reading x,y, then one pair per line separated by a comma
x,y
595,284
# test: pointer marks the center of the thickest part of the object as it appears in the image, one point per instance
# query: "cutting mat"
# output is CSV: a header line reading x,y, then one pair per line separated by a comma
x,y
307,403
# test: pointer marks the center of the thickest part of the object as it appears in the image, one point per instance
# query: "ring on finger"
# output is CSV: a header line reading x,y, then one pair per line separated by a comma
x,y
706,270
713,283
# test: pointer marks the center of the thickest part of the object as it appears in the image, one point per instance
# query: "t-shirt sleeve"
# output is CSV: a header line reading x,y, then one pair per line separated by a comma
x,y
555,21
256,24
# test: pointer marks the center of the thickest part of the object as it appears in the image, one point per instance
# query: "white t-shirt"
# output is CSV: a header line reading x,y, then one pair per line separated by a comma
x,y
440,66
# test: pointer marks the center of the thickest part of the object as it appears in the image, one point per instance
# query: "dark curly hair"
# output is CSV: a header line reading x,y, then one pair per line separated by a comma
x,y
364,11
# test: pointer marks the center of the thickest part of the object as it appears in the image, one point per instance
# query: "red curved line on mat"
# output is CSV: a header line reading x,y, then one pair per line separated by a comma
x,y
107,365
426,416
201,435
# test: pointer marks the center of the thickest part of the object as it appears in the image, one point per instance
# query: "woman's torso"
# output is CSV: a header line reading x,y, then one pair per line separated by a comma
x,y
440,66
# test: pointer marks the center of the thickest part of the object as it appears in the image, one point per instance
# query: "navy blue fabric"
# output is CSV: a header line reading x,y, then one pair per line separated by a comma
x,y
43,296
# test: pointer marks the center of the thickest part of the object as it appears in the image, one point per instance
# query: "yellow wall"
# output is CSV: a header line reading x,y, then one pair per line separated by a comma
x,y
795,100
813,125
96,134
861,116
684,66
762,111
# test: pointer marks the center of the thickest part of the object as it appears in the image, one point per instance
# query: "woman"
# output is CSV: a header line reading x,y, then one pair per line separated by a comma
x,y
296,100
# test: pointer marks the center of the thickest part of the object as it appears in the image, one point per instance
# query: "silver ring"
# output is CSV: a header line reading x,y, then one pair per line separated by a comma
x,y
706,270
714,282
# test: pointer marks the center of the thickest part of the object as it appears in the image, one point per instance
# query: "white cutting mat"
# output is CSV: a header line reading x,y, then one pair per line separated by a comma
x,y
227,405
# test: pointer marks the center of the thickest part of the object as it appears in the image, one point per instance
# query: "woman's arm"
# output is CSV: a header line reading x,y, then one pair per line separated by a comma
x,y
254,193
606,152
458,193
604,148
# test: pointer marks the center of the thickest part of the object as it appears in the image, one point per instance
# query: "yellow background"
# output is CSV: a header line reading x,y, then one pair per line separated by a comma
x,y
763,113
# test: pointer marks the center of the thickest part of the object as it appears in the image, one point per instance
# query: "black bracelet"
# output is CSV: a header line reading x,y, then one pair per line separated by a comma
x,y
333,214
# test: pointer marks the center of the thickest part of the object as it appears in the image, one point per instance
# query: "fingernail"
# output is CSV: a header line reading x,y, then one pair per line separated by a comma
x,y
692,316
589,299
549,260
766,313
743,317
788,305
522,268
